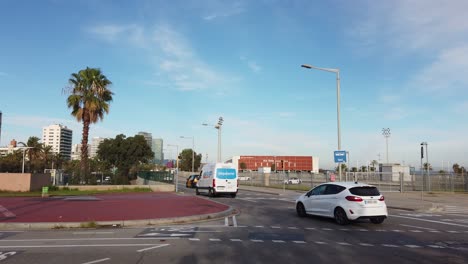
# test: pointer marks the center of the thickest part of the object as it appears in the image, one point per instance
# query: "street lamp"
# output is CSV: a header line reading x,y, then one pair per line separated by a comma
x,y
193,151
177,165
24,148
218,127
386,134
427,164
337,72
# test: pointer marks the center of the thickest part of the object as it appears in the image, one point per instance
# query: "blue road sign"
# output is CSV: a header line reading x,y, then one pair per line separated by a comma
x,y
340,156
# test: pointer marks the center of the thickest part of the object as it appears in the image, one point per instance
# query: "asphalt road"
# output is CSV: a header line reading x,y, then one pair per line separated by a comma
x,y
265,230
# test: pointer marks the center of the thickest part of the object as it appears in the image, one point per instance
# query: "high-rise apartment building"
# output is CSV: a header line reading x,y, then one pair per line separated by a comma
x,y
94,146
59,137
157,148
148,137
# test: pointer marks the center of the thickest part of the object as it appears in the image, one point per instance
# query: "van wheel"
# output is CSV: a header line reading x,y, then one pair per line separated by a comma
x,y
197,192
233,195
211,192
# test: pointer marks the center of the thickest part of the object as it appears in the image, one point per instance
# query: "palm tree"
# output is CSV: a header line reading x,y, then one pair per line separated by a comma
x,y
374,163
47,155
34,149
89,100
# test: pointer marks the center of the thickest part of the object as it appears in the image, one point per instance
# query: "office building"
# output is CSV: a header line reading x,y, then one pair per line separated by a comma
x,y
59,137
148,137
94,146
157,148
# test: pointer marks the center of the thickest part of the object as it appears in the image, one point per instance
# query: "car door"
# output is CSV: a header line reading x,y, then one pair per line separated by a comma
x,y
329,199
312,200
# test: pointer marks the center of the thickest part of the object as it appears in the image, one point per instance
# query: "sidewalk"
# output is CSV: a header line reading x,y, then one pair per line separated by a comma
x,y
411,201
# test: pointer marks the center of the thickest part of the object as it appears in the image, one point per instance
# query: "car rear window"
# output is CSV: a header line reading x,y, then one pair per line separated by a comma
x,y
365,191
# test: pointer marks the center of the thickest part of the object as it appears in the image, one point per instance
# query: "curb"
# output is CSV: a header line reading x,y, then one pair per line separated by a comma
x,y
117,223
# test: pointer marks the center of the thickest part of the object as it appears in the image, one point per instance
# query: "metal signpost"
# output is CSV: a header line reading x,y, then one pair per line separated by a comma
x,y
340,157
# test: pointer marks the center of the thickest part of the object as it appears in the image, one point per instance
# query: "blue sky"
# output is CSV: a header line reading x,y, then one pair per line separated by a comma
x,y
177,64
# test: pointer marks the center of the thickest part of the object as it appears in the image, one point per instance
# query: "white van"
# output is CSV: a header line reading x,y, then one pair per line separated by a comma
x,y
218,178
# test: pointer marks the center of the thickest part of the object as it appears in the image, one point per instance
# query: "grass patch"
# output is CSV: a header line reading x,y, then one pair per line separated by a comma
x,y
90,224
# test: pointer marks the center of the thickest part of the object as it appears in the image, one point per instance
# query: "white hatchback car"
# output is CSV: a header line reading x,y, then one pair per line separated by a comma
x,y
293,180
344,201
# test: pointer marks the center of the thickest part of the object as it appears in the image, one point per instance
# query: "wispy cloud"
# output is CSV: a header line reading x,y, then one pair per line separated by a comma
x,y
412,25
286,114
251,64
171,53
225,11
448,72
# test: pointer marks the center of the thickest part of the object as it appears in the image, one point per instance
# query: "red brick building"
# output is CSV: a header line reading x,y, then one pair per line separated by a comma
x,y
287,163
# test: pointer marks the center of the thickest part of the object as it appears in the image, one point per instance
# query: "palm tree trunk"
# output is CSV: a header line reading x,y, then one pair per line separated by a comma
x,y
84,146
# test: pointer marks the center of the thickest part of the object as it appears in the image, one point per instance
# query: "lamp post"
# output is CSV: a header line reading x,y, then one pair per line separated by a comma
x,y
193,151
177,165
427,165
218,127
386,134
337,72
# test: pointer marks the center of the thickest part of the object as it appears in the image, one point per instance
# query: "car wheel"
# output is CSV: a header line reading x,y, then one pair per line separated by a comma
x,y
340,216
377,220
300,210
233,195
197,192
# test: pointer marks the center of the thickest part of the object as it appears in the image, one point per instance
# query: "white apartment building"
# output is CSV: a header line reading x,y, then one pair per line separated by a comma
x,y
95,145
59,137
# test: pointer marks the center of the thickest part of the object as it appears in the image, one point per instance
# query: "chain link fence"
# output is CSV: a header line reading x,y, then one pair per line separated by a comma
x,y
385,181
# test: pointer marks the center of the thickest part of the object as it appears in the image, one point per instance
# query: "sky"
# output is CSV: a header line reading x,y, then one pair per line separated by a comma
x,y
177,64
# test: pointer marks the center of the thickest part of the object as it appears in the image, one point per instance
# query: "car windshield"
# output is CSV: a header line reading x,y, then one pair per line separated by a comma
x,y
365,191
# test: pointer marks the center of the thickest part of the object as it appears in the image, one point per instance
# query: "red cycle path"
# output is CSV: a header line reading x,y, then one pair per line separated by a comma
x,y
108,207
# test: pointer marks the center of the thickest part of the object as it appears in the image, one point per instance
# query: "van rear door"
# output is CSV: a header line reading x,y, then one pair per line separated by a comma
x,y
226,180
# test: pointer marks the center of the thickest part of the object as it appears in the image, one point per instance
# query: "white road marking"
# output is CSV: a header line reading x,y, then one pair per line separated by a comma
x,y
310,228
363,230
327,229
91,233
299,242
320,242
260,226
435,246
292,227
85,245
256,240
396,230
276,227
194,239
234,221
236,240
343,243
278,241
83,239
418,227
97,261
415,231
381,230
158,246
390,245
427,220
412,246
453,232
344,229
434,231
6,212
366,245
215,239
